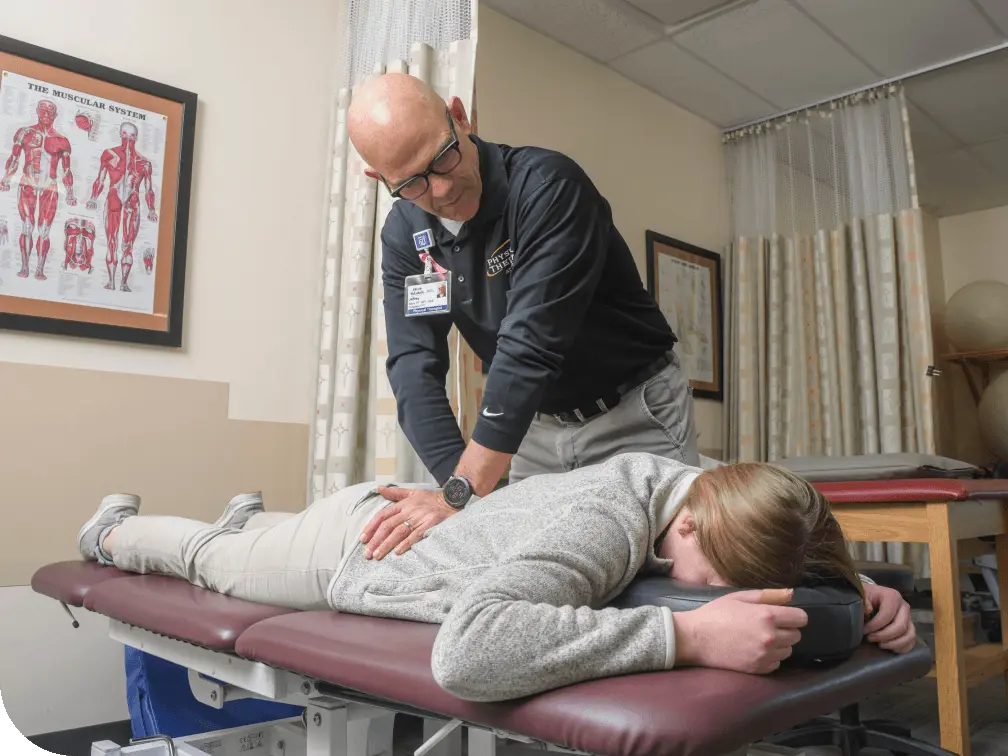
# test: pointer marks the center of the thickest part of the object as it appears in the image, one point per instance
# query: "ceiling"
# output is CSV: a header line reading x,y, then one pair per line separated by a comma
x,y
742,60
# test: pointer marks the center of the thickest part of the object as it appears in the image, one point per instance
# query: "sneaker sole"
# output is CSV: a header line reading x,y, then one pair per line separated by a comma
x,y
102,509
233,510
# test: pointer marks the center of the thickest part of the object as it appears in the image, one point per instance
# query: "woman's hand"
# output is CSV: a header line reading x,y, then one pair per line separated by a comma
x,y
891,626
745,631
403,523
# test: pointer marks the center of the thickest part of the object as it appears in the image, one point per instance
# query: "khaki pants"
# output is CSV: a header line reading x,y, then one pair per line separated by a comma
x,y
655,417
281,559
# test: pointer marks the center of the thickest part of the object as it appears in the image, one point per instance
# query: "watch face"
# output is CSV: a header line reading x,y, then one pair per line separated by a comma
x,y
456,491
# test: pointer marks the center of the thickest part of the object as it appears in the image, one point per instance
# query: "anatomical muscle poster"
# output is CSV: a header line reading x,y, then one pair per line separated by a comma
x,y
95,171
78,196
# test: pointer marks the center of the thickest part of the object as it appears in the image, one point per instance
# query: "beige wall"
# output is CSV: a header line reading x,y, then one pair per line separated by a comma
x,y
230,411
660,167
264,73
974,247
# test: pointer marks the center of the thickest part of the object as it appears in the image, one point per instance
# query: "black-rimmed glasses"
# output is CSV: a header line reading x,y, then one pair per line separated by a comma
x,y
443,163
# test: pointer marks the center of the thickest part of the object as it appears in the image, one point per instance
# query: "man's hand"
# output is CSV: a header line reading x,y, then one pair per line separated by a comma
x,y
398,526
891,626
745,631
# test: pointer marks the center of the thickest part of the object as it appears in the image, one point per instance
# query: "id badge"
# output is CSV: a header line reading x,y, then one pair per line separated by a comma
x,y
428,294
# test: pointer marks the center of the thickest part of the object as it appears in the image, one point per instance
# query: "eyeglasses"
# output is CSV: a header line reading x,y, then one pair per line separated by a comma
x,y
443,163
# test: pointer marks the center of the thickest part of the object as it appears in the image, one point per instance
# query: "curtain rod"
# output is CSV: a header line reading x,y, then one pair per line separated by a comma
x,y
885,82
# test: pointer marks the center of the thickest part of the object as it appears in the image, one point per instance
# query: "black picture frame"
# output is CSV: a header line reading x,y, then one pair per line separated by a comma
x,y
660,244
164,325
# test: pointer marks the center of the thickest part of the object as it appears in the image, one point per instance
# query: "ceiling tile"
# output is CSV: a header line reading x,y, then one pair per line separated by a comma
x,y
894,39
926,135
678,76
956,182
678,11
969,99
778,52
998,12
589,26
994,156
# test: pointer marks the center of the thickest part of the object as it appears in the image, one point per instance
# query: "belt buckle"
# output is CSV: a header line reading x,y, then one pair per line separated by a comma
x,y
578,415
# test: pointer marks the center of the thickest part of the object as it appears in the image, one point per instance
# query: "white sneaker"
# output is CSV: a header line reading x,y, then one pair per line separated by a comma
x,y
239,510
113,509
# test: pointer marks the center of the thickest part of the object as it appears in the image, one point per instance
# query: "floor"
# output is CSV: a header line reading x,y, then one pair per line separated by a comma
x,y
914,705
78,742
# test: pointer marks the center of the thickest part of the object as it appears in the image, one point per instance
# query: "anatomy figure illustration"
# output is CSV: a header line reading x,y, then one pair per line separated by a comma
x,y
89,122
148,258
45,152
127,171
78,243
3,232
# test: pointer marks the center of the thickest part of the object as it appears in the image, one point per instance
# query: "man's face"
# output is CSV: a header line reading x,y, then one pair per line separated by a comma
x,y
453,188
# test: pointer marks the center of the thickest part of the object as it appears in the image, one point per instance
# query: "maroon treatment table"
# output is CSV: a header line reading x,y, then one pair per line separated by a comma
x,y
315,658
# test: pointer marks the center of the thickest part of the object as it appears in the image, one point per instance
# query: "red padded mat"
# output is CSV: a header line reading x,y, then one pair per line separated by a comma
x,y
684,712
913,490
178,609
70,582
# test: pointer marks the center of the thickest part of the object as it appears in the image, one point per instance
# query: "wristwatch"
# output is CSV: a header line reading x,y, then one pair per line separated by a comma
x,y
457,491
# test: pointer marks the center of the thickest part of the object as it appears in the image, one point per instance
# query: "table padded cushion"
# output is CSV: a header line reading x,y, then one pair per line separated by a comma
x,y
899,577
175,608
835,615
684,712
913,490
71,581
878,466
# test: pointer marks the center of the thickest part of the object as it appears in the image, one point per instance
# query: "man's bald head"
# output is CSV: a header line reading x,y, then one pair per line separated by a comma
x,y
391,115
399,124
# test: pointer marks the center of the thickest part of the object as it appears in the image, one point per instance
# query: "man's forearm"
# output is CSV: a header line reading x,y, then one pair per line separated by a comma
x,y
482,467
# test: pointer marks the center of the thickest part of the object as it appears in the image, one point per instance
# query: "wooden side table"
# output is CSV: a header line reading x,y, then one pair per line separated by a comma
x,y
939,512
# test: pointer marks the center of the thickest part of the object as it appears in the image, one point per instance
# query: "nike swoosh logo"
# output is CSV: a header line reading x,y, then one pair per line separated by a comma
x,y
487,413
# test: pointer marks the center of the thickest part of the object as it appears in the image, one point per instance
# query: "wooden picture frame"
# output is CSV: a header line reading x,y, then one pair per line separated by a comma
x,y
95,179
686,282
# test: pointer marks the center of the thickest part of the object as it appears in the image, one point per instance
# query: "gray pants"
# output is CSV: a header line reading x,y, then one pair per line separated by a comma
x,y
654,417
281,559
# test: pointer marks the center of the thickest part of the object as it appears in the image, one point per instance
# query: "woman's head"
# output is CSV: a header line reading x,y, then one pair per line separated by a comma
x,y
754,525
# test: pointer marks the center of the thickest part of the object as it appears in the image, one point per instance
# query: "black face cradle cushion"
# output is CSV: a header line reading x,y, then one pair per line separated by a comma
x,y
835,614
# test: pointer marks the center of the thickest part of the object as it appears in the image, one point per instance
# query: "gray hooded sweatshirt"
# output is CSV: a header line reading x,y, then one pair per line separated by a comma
x,y
519,580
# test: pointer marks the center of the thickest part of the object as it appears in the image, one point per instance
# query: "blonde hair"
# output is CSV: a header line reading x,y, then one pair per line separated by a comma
x,y
762,526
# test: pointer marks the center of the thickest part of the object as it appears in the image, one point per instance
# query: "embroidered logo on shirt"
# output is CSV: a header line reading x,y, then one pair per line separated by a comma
x,y
501,260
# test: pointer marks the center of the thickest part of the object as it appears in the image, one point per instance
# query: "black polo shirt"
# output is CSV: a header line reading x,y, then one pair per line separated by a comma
x,y
544,290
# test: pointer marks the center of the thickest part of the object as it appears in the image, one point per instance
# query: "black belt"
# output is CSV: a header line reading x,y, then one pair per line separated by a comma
x,y
606,403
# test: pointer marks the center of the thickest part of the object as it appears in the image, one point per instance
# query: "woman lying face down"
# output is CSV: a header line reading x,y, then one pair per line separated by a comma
x,y
758,526
521,580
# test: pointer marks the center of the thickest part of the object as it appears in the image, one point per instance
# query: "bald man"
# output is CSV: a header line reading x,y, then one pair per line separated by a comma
x,y
517,248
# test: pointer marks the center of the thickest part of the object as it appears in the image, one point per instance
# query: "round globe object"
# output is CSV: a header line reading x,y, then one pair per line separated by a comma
x,y
993,417
976,317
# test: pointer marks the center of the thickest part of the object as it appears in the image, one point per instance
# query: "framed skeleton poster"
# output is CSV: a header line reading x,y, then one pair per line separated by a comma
x,y
685,280
94,198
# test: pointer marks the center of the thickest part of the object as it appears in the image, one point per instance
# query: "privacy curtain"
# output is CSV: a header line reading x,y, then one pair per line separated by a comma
x,y
828,333
356,435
